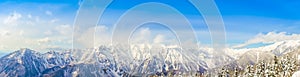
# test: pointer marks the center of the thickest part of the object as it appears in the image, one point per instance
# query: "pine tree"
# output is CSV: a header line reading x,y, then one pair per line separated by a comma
x,y
236,72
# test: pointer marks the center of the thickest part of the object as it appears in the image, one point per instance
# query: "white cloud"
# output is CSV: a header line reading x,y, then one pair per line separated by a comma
x,y
12,19
44,40
142,36
101,28
5,33
21,33
159,38
152,37
53,20
30,20
48,13
29,16
145,32
23,29
97,35
29,23
102,36
65,29
2,47
48,32
270,37
37,19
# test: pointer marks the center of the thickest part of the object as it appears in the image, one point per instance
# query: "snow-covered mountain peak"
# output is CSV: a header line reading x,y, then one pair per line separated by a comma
x,y
135,59
279,48
20,53
281,44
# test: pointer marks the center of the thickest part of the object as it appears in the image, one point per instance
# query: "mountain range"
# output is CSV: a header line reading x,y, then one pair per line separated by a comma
x,y
137,60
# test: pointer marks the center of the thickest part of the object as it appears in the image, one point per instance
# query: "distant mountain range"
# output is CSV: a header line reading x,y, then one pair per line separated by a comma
x,y
140,60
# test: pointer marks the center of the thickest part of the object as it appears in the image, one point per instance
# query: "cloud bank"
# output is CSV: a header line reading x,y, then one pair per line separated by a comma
x,y
270,37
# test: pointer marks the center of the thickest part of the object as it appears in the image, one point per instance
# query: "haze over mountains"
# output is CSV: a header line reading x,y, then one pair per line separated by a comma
x,y
140,60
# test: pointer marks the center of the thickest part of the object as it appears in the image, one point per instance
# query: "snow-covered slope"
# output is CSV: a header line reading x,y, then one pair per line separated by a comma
x,y
248,56
104,60
277,48
138,60
26,62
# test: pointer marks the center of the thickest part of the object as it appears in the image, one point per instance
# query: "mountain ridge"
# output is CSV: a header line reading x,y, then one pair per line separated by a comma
x,y
102,61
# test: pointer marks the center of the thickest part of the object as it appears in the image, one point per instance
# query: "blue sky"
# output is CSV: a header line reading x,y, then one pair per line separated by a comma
x,y
47,24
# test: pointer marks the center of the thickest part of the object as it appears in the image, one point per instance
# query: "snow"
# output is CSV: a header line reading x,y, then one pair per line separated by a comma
x,y
296,74
141,57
